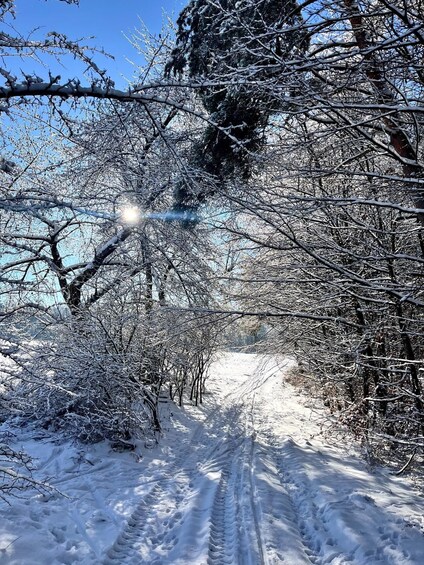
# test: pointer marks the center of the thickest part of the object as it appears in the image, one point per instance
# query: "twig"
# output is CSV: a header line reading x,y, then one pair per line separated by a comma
x,y
4,549
411,457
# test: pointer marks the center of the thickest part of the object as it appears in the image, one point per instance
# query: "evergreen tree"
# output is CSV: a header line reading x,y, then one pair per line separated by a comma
x,y
229,46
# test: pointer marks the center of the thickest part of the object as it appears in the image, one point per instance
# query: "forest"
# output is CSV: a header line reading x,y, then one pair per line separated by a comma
x,y
259,184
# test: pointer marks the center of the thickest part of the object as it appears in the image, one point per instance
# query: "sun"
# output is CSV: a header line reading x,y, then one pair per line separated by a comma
x,y
130,215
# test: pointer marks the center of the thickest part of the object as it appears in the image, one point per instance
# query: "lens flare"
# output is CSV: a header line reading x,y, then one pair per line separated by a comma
x,y
130,215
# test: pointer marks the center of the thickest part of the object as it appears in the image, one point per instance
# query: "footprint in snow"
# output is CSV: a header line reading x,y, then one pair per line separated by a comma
x,y
58,534
99,516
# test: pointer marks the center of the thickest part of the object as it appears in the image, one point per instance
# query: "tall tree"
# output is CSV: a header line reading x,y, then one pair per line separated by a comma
x,y
230,48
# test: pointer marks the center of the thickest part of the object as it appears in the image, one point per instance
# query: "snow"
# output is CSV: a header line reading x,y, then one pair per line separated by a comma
x,y
248,478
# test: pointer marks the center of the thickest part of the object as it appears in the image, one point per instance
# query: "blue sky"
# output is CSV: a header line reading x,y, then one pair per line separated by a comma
x,y
107,20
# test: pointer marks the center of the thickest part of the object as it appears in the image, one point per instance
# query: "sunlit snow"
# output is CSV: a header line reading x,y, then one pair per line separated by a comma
x,y
249,478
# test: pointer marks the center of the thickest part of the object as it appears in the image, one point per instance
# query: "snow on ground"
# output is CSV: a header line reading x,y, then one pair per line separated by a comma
x,y
246,479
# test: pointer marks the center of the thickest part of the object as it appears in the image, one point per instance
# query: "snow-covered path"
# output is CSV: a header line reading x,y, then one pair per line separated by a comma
x,y
247,479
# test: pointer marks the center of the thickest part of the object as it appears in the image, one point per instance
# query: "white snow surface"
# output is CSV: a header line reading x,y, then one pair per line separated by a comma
x,y
248,478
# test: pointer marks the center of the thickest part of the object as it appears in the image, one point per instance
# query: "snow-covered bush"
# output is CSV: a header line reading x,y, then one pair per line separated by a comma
x,y
85,382
99,376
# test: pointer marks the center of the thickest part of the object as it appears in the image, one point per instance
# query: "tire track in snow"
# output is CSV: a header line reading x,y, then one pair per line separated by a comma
x,y
254,498
235,535
303,511
233,525
137,530
222,530
253,547
300,518
124,547
142,534
292,508
222,459
284,502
